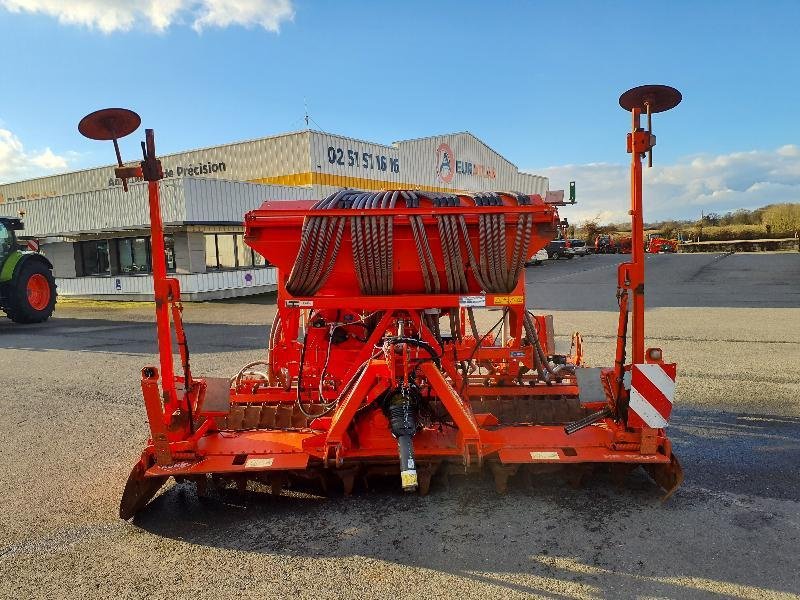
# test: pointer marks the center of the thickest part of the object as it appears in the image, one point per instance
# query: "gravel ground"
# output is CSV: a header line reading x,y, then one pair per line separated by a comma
x,y
73,424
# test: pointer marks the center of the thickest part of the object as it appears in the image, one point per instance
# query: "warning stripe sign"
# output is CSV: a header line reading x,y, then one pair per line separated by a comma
x,y
33,245
652,394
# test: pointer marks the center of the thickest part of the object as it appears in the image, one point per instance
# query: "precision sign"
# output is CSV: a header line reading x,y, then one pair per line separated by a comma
x,y
652,394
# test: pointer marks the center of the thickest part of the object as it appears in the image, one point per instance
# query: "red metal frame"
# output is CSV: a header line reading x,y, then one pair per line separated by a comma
x,y
632,273
188,440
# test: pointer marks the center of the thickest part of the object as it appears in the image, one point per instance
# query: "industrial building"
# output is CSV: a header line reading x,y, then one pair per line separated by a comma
x,y
97,236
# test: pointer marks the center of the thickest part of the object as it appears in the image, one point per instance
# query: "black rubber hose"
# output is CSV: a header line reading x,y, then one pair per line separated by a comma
x,y
359,250
422,344
304,280
309,239
317,272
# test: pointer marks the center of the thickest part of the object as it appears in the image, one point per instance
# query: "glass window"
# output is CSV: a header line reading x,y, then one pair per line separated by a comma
x,y
258,260
229,251
243,252
94,258
211,252
169,250
6,242
226,250
134,256
141,254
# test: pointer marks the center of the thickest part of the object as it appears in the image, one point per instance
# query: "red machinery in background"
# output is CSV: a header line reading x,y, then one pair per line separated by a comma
x,y
659,245
609,244
623,244
402,345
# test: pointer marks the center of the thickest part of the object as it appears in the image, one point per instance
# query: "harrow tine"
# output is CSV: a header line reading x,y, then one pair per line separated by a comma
x,y
577,475
668,476
348,477
425,473
277,482
501,474
139,490
201,484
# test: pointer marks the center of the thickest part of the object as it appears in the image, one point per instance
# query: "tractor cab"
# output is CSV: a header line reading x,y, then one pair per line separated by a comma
x,y
8,239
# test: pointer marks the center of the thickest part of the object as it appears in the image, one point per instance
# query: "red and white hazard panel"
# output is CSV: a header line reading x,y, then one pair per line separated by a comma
x,y
33,245
652,393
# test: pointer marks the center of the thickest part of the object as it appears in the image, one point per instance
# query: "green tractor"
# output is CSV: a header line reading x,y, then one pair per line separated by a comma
x,y
27,286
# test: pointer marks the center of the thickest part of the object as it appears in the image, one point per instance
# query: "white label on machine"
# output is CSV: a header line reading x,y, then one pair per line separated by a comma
x,y
258,463
299,303
545,456
472,301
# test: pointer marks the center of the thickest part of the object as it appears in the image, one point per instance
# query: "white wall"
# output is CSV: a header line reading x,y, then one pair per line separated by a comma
x,y
190,251
183,200
62,255
194,286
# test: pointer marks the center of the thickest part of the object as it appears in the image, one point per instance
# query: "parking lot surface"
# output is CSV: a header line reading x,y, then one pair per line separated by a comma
x,y
73,424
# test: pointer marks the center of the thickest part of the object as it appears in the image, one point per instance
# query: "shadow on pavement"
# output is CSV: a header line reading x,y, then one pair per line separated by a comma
x,y
127,337
765,450
543,537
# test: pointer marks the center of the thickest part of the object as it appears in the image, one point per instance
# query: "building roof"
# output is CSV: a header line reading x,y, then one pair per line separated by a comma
x,y
393,145
467,133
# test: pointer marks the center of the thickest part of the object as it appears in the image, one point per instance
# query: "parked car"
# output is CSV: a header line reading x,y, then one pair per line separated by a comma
x,y
537,258
558,249
579,247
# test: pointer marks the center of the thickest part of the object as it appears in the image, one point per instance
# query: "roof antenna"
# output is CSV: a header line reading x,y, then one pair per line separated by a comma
x,y
305,104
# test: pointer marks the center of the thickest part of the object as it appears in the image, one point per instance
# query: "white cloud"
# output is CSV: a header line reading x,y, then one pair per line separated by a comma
x,y
16,162
122,15
223,13
708,183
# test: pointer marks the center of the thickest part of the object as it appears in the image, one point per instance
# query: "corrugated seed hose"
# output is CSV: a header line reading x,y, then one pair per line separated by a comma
x,y
373,248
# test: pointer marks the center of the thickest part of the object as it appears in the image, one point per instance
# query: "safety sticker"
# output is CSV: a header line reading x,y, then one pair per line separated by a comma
x,y
652,394
299,303
508,300
545,456
472,301
517,353
258,463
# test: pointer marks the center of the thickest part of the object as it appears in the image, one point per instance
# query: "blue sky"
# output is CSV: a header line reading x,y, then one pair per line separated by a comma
x,y
537,81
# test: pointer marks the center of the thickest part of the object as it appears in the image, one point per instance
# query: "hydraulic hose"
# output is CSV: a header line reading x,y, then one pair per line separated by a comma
x,y
372,241
544,370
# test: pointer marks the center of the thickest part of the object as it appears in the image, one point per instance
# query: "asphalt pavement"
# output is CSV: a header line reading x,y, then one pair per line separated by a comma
x,y
73,424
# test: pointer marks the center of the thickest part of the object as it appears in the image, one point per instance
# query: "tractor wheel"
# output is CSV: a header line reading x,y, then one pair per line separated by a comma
x,y
32,297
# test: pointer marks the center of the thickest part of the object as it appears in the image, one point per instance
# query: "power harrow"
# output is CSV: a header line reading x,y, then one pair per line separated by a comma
x,y
402,346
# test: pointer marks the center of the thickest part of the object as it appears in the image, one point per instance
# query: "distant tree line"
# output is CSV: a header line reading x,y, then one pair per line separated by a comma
x,y
771,221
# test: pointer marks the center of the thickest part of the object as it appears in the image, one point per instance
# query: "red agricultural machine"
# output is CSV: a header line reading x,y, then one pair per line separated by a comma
x,y
624,245
660,245
609,244
402,346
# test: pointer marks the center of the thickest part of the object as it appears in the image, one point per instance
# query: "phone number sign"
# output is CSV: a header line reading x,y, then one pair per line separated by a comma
x,y
349,157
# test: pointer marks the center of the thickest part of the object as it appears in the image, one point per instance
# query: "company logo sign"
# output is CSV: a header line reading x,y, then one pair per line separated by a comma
x,y
444,163
447,166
